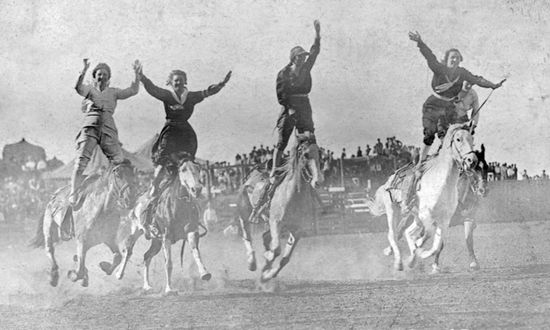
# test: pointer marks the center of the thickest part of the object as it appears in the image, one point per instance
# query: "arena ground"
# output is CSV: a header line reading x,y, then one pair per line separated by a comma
x,y
341,281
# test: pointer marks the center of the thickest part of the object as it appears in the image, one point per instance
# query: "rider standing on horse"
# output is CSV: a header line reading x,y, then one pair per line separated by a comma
x,y
293,86
99,127
447,83
177,135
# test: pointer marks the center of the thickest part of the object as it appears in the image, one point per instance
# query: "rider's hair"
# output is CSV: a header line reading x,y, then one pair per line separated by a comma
x,y
103,66
448,52
176,73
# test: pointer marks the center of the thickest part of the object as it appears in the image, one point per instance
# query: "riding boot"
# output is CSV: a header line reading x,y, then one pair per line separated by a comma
x,y
267,189
157,179
76,181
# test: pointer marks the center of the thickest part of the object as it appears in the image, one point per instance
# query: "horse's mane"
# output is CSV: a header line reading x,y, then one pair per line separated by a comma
x,y
99,180
445,144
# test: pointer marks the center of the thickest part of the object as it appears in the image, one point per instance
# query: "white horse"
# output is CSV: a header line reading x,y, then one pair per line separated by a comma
x,y
437,198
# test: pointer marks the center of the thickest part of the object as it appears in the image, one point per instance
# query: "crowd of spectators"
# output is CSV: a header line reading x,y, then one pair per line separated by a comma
x,y
22,197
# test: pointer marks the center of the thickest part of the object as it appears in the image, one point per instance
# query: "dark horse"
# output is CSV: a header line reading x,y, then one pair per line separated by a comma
x,y
177,217
293,199
94,221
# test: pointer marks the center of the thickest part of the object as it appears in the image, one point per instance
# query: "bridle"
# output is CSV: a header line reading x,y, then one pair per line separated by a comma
x,y
460,163
119,189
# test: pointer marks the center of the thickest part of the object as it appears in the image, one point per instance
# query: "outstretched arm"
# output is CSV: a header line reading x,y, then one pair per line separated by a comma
x,y
480,81
433,63
134,87
80,88
153,90
214,89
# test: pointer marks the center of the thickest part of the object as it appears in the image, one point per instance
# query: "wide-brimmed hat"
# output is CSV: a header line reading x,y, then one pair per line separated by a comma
x,y
297,51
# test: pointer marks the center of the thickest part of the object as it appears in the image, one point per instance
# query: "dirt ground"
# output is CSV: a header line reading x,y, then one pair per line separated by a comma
x,y
332,282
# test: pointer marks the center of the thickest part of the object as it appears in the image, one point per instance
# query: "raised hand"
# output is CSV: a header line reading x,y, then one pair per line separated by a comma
x,y
500,83
86,63
226,79
137,67
317,26
415,36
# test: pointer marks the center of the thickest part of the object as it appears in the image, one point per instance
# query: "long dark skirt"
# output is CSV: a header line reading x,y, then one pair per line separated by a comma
x,y
174,138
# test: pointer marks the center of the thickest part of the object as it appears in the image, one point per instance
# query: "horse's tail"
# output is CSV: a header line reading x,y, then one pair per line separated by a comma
x,y
376,205
38,240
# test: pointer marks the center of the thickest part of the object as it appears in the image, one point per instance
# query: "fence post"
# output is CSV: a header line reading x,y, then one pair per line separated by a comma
x,y
342,172
208,182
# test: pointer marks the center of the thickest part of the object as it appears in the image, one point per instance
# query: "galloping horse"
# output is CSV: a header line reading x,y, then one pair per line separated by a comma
x,y
95,219
177,217
437,198
471,188
292,199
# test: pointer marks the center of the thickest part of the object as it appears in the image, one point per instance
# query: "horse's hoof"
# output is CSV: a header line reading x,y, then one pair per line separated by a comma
x,y
267,286
146,290
71,275
388,251
206,276
436,269
398,266
474,265
119,275
252,262
269,256
54,279
170,293
84,282
106,267
411,262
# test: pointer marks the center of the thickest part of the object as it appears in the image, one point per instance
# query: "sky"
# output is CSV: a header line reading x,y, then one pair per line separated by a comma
x,y
369,81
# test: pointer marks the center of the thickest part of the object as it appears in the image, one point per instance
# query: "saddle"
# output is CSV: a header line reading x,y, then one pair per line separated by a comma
x,y
88,180
404,185
261,198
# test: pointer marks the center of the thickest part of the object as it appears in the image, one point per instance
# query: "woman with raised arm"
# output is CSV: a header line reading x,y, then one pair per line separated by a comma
x,y
177,135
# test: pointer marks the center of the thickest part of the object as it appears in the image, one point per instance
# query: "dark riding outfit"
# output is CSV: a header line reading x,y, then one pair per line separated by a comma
x,y
438,111
177,136
292,93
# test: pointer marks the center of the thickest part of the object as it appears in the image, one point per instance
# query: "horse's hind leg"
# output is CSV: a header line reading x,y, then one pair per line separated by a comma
x,y
247,239
153,250
80,258
107,267
411,233
436,267
393,213
193,238
50,250
285,258
128,250
469,226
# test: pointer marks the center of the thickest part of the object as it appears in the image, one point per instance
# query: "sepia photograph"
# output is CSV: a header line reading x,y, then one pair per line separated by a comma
x,y
275,164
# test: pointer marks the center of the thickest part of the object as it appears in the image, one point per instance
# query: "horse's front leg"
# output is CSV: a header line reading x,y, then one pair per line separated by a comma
x,y
247,239
193,238
81,272
272,244
469,226
167,247
393,215
50,250
107,267
153,250
128,249
285,258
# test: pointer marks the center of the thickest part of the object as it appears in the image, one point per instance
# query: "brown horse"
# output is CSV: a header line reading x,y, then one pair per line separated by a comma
x,y
94,221
177,217
293,199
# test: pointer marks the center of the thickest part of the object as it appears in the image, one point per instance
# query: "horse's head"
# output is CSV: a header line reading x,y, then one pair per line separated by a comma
x,y
310,162
123,184
189,175
481,171
461,144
